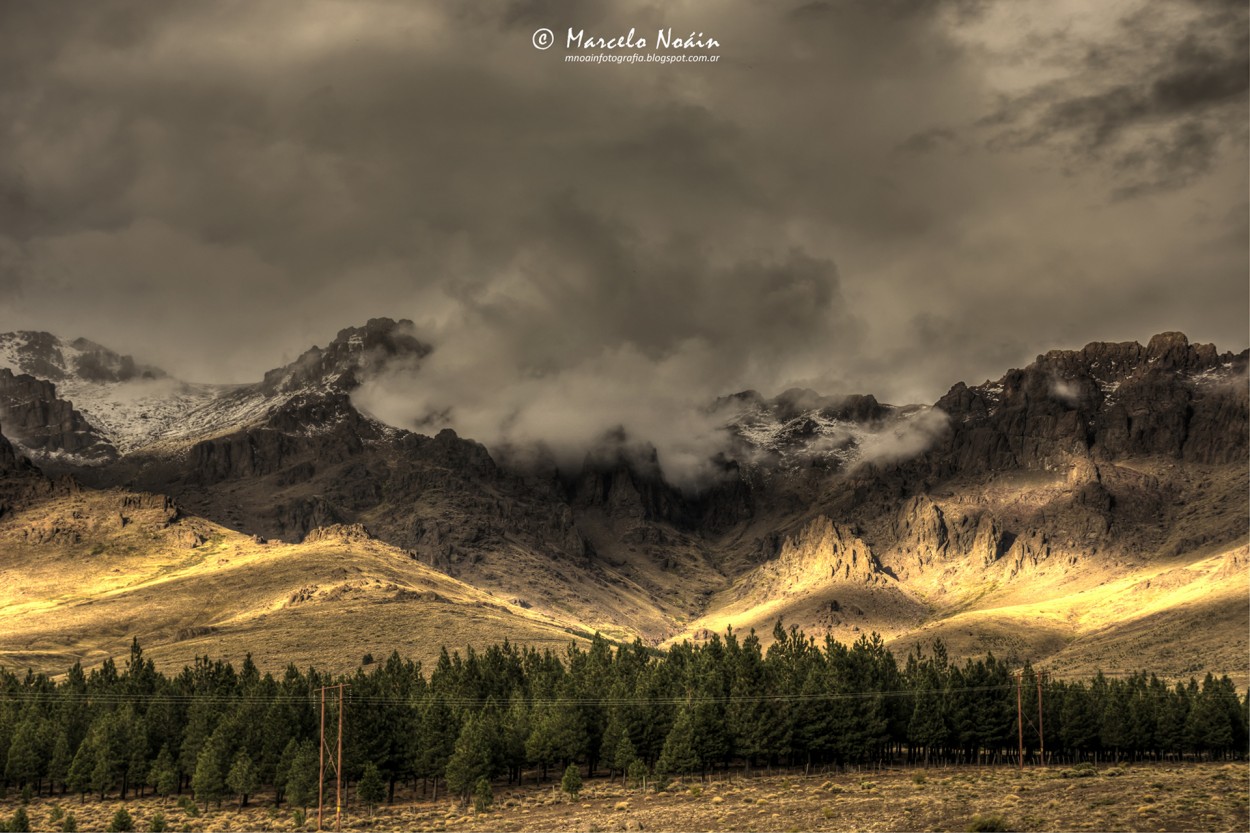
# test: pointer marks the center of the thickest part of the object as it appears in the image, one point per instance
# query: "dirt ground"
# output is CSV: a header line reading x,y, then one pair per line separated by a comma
x,y
1147,797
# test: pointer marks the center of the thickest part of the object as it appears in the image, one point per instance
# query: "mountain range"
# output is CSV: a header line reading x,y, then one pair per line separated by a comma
x,y
1086,511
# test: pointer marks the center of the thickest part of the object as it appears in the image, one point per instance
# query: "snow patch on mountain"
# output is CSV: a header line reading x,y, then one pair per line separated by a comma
x,y
138,413
131,406
774,435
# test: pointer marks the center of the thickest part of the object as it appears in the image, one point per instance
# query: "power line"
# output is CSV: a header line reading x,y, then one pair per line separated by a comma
x,y
53,697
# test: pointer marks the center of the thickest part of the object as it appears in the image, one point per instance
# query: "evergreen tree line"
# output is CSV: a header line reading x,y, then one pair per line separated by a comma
x,y
627,711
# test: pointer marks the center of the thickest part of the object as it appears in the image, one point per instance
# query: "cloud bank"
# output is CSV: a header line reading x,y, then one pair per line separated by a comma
x,y
865,196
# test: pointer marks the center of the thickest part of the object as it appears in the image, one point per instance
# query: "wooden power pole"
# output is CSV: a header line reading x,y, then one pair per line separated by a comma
x,y
338,770
1020,715
1041,734
321,767
337,763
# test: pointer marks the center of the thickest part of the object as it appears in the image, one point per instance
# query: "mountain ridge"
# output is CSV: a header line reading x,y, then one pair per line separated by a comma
x,y
840,514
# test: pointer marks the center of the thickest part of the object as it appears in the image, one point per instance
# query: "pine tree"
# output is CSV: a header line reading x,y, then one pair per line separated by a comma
x,y
122,822
746,715
242,777
282,770
483,796
435,741
61,760
25,760
301,780
571,783
278,730
681,752
623,753
1078,729
208,782
79,778
136,751
637,773
556,735
20,822
516,730
1209,727
371,790
471,759
201,718
109,762
163,776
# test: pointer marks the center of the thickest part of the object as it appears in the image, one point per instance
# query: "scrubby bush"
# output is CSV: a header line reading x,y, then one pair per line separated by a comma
x,y
1081,770
988,824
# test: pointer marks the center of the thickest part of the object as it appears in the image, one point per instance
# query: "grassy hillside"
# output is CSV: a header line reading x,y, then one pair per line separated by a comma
x,y
81,574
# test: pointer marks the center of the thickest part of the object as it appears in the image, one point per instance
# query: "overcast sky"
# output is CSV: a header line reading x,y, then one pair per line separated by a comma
x,y
884,196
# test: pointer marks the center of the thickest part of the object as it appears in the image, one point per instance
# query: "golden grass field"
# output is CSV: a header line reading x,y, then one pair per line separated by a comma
x,y
324,603
1145,797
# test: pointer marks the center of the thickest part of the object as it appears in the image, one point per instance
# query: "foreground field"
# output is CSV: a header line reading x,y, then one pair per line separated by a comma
x,y
1151,797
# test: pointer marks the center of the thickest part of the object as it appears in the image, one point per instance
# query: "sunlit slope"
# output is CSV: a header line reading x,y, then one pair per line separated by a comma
x,y
1022,566
1183,618
84,571
82,574
826,580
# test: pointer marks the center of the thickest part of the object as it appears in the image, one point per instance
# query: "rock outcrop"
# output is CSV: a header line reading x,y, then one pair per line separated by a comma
x,y
821,552
8,457
340,533
1108,401
42,422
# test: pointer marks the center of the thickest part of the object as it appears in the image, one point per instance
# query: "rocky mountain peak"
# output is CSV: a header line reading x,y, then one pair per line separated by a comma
x,y
46,356
353,355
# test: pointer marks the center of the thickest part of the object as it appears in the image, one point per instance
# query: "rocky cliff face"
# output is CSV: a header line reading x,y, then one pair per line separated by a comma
x,y
1107,401
822,551
818,554
21,482
43,422
8,457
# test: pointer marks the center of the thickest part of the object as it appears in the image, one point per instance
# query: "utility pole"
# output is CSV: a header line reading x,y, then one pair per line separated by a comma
x,y
321,768
1020,716
337,763
338,781
1041,734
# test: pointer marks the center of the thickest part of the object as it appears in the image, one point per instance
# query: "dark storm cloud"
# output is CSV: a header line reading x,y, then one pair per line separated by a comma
x,y
213,187
928,140
1163,100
